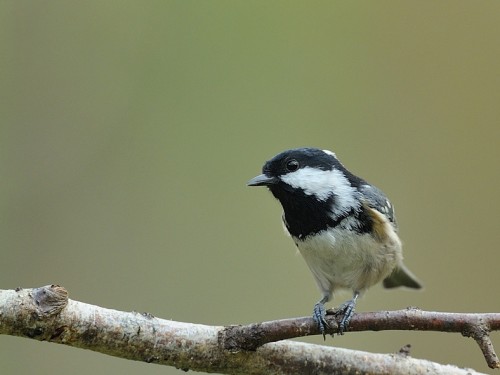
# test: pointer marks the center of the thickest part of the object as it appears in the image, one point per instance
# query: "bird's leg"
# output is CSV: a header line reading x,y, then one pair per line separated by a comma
x,y
347,310
319,314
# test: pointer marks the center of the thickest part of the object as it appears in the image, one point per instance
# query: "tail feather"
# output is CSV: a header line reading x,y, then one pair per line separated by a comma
x,y
402,276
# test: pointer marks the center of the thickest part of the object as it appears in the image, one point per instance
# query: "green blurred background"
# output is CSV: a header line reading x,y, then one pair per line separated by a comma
x,y
129,129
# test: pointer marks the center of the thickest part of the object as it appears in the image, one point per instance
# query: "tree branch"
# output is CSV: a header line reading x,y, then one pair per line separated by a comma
x,y
477,326
46,314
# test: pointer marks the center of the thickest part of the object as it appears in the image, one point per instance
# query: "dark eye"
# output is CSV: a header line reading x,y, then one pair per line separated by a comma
x,y
292,165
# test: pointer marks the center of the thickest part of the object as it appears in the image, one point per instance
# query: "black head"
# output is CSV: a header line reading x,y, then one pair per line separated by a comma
x,y
313,187
288,162
291,160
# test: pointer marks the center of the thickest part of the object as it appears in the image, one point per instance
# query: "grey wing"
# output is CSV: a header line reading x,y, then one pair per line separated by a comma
x,y
376,199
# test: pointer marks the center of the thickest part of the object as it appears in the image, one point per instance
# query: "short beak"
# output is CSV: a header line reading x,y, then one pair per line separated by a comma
x,y
262,180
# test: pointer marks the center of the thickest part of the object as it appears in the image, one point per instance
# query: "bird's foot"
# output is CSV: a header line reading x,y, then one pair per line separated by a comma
x,y
347,312
319,314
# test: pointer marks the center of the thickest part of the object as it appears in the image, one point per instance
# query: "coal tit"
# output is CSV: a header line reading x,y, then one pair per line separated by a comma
x,y
344,227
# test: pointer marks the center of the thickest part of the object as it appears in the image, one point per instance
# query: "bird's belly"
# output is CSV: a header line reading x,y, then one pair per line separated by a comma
x,y
340,260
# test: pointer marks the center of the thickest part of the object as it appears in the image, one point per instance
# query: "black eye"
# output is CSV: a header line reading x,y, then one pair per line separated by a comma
x,y
292,165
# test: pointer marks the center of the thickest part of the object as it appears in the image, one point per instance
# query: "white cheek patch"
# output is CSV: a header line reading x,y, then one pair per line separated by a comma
x,y
324,184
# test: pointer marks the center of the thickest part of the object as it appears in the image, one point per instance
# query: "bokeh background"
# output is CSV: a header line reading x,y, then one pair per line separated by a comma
x,y
128,130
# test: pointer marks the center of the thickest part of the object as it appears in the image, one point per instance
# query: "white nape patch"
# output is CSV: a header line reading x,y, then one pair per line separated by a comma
x,y
323,184
330,153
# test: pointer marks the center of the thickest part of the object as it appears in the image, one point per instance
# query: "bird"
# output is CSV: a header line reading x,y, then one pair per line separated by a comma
x,y
344,227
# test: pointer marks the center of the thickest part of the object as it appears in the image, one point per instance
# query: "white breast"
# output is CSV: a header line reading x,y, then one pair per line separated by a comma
x,y
342,259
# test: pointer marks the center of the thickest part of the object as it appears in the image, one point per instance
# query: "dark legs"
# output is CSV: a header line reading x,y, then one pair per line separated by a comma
x,y
346,310
319,314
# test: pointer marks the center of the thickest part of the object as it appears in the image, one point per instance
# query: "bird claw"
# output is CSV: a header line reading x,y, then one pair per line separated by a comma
x,y
347,312
319,314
